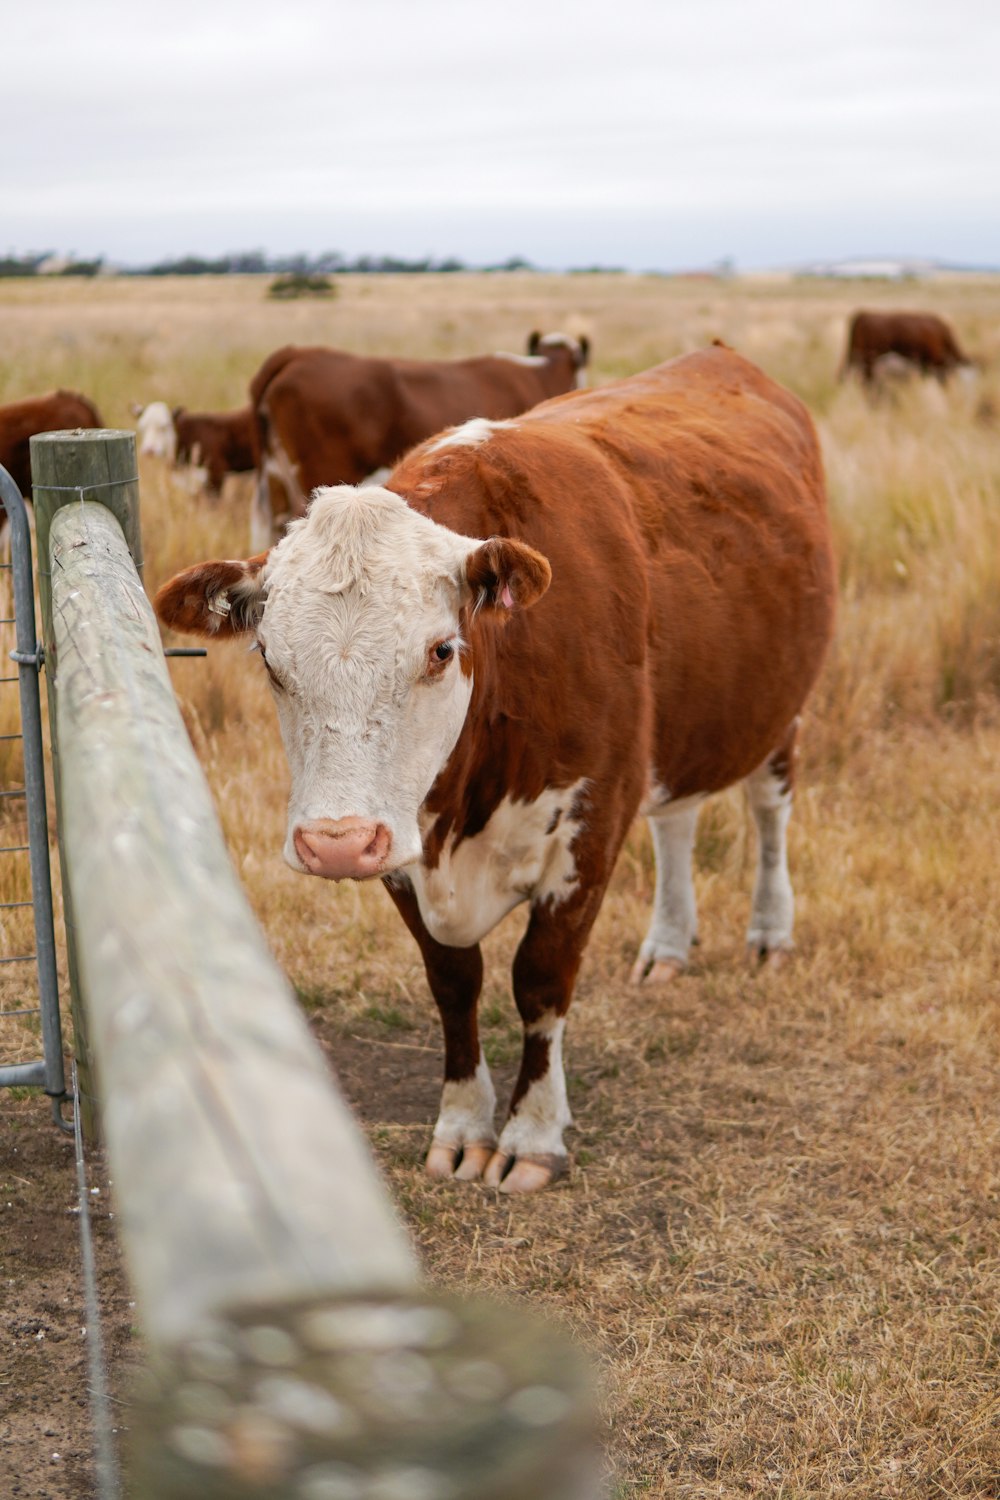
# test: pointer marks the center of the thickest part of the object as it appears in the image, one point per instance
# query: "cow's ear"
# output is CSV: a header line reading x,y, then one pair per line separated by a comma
x,y
534,342
223,598
504,574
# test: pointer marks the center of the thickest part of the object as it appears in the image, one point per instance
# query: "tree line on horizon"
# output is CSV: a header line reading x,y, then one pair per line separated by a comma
x,y
256,262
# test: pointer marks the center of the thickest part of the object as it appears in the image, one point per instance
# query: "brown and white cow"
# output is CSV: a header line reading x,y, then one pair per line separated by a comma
x,y
921,339
483,671
323,416
21,420
220,442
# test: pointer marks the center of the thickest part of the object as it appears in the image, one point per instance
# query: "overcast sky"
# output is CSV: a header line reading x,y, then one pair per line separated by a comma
x,y
641,133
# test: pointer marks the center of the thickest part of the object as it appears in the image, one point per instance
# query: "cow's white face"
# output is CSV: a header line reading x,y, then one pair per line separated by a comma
x,y
357,613
156,431
360,635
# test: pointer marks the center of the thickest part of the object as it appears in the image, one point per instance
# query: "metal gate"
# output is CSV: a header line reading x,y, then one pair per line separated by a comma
x,y
28,979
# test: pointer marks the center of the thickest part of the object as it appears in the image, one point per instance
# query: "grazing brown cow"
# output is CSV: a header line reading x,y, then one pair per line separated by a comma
x,y
21,420
220,442
617,602
923,339
326,417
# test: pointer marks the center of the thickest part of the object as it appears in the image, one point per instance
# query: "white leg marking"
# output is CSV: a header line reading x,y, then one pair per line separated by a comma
x,y
674,922
467,1109
543,1113
773,911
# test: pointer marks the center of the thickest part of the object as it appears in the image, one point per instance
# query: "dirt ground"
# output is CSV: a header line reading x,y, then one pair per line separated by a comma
x,y
46,1450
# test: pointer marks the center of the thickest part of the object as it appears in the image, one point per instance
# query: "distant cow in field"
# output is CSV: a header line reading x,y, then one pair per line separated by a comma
x,y
922,339
220,442
155,430
21,420
326,417
618,602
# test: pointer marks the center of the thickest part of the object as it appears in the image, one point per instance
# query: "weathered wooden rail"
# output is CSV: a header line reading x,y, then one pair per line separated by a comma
x,y
293,1348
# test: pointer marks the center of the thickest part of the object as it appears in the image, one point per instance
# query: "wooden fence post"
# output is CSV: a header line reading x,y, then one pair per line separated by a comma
x,y
67,467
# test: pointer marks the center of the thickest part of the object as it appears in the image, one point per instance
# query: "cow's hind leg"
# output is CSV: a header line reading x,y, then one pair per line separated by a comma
x,y
531,1152
674,924
773,910
464,1136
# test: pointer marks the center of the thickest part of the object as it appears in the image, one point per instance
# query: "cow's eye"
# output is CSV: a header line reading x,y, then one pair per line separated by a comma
x,y
438,657
272,674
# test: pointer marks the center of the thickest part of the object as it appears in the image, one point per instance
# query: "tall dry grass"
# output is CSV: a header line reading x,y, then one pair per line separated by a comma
x,y
780,1238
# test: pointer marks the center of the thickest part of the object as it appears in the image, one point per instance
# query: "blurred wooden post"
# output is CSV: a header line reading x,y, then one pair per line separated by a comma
x,y
294,1352
67,467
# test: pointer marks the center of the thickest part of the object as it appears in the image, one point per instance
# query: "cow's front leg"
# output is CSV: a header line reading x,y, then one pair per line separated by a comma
x,y
531,1152
464,1136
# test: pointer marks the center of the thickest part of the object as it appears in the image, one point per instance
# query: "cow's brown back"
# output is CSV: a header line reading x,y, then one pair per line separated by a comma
x,y
22,420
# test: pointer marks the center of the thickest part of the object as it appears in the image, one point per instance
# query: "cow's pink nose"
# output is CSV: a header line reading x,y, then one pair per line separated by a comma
x,y
348,849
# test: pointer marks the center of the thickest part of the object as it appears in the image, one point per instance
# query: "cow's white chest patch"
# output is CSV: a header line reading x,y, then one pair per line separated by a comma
x,y
524,852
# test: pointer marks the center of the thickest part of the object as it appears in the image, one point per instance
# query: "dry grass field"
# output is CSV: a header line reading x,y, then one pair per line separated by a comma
x,y
780,1239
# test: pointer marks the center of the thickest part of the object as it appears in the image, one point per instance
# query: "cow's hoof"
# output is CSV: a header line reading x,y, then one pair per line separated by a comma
x,y
529,1173
445,1161
440,1161
660,971
767,960
475,1158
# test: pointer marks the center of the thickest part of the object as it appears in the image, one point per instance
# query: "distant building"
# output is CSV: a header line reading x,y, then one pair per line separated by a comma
x,y
68,265
53,265
880,268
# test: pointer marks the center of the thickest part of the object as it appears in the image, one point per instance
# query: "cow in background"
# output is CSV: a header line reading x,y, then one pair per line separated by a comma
x,y
22,420
155,430
322,416
219,442
617,602
921,339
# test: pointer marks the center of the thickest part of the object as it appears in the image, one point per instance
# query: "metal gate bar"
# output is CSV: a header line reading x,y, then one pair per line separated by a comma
x,y
48,1072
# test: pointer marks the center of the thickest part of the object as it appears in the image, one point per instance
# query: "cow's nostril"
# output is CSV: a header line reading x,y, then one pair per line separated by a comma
x,y
349,848
380,842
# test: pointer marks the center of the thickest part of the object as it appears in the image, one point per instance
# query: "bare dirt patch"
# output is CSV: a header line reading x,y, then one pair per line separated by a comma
x,y
46,1438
